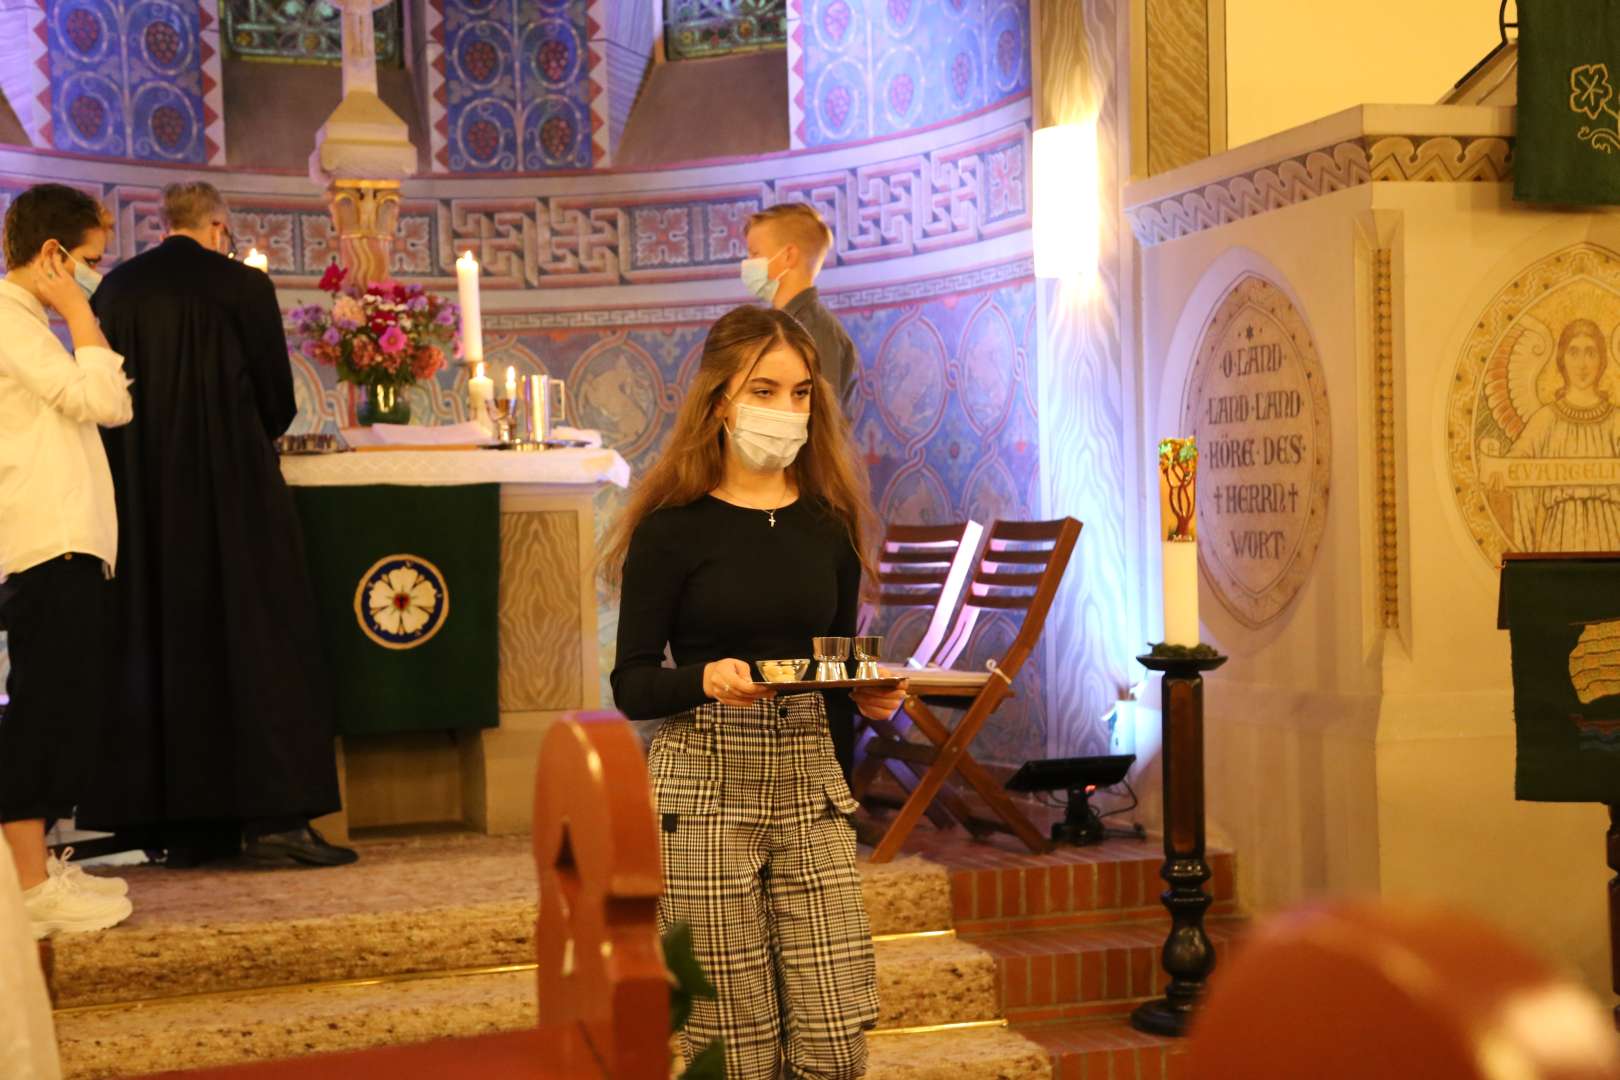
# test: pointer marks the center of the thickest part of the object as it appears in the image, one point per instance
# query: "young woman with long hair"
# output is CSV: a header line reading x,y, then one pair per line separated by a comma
x,y
741,543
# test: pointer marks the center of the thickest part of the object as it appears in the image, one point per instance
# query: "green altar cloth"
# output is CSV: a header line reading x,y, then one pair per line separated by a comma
x,y
406,590
1567,145
1563,618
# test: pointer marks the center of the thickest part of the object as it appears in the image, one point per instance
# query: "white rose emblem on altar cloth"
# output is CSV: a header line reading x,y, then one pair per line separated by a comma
x,y
401,602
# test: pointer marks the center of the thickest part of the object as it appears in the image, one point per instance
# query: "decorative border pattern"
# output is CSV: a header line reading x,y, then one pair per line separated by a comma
x,y
597,88
1389,565
437,98
954,196
213,82
1374,159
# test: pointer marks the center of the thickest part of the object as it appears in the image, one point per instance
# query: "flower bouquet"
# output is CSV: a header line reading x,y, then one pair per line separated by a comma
x,y
381,338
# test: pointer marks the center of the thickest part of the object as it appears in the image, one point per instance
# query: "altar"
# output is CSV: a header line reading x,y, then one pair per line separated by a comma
x,y
479,777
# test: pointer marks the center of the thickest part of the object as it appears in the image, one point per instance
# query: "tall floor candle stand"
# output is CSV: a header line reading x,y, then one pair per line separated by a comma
x,y
1188,955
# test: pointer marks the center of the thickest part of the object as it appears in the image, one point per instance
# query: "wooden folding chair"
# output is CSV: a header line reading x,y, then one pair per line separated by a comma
x,y
1019,570
919,566
924,566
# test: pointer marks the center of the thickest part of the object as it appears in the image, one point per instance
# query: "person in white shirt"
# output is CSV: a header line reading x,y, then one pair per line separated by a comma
x,y
58,541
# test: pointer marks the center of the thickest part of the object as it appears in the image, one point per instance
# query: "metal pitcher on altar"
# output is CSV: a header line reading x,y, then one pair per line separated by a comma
x,y
545,405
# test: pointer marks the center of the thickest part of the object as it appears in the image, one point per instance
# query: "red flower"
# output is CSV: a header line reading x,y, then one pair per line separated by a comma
x,y
332,280
381,322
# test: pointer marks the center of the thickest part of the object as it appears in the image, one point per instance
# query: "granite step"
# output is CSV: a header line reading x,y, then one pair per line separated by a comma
x,y
424,905
1086,972
129,1040
123,1040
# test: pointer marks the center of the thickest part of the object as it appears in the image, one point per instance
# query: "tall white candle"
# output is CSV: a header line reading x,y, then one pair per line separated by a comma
x,y
1178,505
1181,592
472,327
480,392
511,383
257,259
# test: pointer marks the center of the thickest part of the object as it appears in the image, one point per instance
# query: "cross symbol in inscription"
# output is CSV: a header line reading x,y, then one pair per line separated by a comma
x,y
1248,332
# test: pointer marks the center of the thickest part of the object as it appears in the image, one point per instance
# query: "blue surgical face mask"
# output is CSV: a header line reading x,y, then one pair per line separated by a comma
x,y
87,279
756,276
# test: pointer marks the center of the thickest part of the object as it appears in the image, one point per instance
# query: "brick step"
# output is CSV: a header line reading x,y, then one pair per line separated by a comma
x,y
995,891
1109,1050
1073,974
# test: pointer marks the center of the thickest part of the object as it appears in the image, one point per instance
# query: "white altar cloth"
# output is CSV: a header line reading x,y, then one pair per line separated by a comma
x,y
439,468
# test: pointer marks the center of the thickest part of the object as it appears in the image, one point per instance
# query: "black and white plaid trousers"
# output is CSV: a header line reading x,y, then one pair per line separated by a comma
x,y
759,859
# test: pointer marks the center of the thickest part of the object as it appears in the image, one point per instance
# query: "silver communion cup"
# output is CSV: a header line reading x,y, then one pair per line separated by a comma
x,y
830,654
504,412
868,651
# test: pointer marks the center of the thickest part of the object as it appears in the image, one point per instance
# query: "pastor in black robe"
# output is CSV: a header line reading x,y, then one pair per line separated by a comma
x,y
219,709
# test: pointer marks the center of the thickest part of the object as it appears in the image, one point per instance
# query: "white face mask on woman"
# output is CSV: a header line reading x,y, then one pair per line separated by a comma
x,y
768,439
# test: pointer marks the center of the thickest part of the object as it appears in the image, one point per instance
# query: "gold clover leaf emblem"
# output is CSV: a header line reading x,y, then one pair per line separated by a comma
x,y
1591,95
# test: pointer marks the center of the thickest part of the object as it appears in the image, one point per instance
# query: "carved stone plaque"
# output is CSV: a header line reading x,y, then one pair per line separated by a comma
x,y
1257,402
1533,422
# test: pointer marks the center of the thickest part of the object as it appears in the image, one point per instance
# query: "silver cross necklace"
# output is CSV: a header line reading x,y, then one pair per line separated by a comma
x,y
770,512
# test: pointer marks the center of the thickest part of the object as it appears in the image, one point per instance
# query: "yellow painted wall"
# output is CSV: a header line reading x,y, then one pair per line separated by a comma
x,y
1288,63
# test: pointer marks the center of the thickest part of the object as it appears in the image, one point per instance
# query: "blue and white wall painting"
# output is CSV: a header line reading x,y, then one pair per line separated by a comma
x,y
133,79
864,69
518,78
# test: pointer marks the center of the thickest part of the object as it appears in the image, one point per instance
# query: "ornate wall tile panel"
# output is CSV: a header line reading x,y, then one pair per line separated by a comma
x,y
127,79
862,69
956,195
518,88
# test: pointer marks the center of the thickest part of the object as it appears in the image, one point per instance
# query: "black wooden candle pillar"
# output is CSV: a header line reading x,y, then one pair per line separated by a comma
x,y
1188,955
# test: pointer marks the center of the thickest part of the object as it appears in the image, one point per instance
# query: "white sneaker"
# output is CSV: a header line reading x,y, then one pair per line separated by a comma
x,y
75,875
56,906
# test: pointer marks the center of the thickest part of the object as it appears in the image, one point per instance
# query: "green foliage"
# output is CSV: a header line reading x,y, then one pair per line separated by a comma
x,y
1182,652
690,984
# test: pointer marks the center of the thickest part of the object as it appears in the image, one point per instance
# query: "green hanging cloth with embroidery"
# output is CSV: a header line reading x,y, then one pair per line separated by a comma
x,y
407,595
1568,145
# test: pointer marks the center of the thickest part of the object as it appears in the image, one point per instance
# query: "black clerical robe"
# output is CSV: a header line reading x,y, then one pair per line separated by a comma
x,y
219,707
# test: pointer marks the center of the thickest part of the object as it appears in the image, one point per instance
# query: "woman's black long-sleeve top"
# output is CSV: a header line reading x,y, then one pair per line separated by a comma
x,y
714,580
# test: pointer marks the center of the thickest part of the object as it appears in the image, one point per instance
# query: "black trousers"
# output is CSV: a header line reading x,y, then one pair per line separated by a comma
x,y
55,618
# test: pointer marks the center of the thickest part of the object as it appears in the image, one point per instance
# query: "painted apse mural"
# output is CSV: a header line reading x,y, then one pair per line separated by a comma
x,y
1533,424
862,69
132,79
946,408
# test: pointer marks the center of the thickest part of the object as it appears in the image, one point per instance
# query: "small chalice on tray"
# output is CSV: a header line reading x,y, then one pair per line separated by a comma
x,y
868,652
782,671
830,654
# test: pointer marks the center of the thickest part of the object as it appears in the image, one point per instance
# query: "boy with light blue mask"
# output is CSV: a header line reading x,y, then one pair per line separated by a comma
x,y
787,245
58,542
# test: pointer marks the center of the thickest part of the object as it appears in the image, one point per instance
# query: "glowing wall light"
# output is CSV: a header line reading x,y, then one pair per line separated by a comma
x,y
1068,202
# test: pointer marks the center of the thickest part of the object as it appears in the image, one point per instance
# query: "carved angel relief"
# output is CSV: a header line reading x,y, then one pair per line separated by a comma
x,y
1535,411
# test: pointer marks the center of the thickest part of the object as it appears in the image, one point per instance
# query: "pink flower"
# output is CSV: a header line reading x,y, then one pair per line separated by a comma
x,y
393,341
